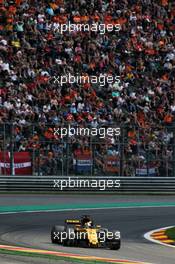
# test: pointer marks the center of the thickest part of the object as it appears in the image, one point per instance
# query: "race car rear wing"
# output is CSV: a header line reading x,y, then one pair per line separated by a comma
x,y
73,221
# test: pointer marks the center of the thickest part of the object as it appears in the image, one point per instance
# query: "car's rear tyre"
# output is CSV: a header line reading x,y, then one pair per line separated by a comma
x,y
115,242
55,234
115,245
71,239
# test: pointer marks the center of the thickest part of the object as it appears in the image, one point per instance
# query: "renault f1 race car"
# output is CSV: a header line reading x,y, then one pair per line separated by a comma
x,y
83,232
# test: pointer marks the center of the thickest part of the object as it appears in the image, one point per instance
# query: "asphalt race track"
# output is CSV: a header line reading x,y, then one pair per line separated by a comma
x,y
33,229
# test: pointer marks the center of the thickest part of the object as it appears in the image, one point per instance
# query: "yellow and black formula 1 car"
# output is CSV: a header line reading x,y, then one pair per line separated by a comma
x,y
83,232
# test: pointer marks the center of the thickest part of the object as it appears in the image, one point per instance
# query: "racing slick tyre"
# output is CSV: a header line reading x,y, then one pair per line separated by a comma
x,y
115,245
115,242
70,237
55,233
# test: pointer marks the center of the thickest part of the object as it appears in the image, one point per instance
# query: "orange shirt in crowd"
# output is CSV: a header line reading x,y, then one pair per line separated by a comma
x,y
12,9
53,6
132,134
164,2
168,119
18,2
77,19
49,134
108,19
87,152
62,19
85,19
165,77
122,21
59,2
95,18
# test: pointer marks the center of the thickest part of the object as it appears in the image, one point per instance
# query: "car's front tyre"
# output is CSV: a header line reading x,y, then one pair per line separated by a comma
x,y
114,240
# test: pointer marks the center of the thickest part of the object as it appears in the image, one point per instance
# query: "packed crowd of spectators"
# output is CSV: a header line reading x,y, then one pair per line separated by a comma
x,y
33,52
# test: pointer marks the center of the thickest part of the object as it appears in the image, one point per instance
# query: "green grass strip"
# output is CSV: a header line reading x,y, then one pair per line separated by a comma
x,y
170,233
67,259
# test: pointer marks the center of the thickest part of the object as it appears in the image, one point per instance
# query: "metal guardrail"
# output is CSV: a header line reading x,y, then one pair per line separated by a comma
x,y
56,184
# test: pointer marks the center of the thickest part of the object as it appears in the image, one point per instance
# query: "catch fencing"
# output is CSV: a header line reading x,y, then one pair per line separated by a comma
x,y
35,149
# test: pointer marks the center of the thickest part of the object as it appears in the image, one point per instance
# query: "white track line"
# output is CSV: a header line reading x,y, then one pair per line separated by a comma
x,y
148,236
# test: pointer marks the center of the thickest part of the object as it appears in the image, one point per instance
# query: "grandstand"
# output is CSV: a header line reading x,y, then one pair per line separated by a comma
x,y
33,53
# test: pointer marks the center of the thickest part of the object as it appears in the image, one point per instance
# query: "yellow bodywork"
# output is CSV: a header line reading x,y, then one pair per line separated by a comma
x,y
92,236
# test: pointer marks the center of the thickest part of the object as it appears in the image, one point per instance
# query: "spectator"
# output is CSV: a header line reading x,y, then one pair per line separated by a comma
x,y
142,53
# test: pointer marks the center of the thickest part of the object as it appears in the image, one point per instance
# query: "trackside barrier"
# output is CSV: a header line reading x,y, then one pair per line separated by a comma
x,y
88,184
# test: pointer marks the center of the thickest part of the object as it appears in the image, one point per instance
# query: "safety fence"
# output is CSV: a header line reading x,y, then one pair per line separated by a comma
x,y
113,150
81,184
